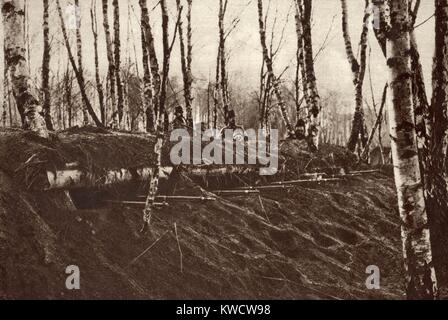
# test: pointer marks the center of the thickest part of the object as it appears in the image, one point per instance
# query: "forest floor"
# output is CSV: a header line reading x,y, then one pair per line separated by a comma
x,y
312,242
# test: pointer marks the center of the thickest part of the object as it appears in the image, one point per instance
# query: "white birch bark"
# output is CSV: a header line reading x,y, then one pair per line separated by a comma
x,y
15,56
420,275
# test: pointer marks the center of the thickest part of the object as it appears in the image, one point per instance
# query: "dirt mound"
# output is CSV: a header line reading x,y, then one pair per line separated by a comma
x,y
311,243
88,147
26,156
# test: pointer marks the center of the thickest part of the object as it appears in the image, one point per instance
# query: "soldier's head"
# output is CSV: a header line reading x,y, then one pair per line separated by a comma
x,y
300,129
179,112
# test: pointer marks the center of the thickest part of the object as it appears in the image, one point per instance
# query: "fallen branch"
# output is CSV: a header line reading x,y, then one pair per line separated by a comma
x,y
180,250
262,208
235,192
147,249
77,178
304,181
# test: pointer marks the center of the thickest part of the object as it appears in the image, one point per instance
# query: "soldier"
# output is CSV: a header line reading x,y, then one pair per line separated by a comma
x,y
238,131
113,124
179,121
300,129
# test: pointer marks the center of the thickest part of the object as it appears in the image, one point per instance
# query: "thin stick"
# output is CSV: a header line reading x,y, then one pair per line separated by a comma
x,y
146,250
180,250
262,208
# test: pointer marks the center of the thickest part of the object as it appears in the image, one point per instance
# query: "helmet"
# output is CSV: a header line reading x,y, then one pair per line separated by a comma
x,y
179,110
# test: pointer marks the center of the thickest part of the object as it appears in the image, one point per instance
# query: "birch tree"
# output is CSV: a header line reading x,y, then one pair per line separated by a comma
x,y
80,57
358,69
46,67
270,69
185,56
189,96
300,80
99,86
420,100
161,114
148,93
117,57
224,85
304,10
420,275
153,63
427,115
110,56
79,76
16,61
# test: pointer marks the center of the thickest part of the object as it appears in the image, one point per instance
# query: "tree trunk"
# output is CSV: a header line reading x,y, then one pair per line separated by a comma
x,y
420,275
99,86
147,79
68,84
300,66
154,184
79,76
154,64
358,71
189,105
80,58
110,55
5,96
46,68
421,105
379,120
183,63
216,90
117,48
436,178
304,9
270,69
222,56
13,17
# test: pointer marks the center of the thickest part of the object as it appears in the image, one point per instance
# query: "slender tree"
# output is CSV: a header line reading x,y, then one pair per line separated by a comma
x,y
222,59
185,56
216,90
27,103
110,56
79,76
5,95
304,10
420,275
358,69
85,114
189,97
300,80
148,89
117,57
377,125
270,69
153,61
68,88
46,68
161,115
99,86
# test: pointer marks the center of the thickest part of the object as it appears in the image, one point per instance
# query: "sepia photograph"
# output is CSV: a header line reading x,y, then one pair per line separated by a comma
x,y
244,152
